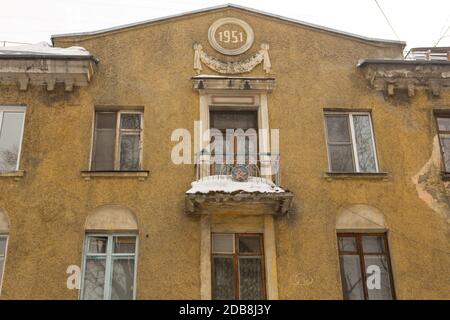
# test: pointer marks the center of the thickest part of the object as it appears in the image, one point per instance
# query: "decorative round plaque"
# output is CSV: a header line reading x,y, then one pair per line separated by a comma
x,y
230,36
239,173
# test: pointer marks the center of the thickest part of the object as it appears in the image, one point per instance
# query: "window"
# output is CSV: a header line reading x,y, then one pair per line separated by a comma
x,y
11,131
109,267
443,123
117,141
3,246
237,266
351,146
365,266
239,143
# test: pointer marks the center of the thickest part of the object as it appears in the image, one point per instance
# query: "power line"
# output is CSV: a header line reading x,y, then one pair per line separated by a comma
x,y
387,20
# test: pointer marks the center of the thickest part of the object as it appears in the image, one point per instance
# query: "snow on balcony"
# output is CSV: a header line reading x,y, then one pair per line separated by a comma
x,y
224,183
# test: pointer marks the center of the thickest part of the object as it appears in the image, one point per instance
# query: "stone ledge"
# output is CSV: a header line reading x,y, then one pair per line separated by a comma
x,y
17,175
356,175
140,175
239,203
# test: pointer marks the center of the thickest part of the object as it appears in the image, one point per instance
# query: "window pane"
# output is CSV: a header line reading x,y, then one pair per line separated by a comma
x,y
122,285
373,244
130,121
233,120
223,280
94,279
249,244
338,128
222,243
2,260
97,244
364,143
352,282
129,152
378,280
105,120
341,158
445,144
250,279
104,149
347,244
124,244
443,124
10,139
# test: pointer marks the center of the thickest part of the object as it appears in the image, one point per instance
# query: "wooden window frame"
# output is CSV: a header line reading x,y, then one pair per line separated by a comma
x,y
15,109
439,132
351,128
117,138
360,253
236,254
108,261
3,255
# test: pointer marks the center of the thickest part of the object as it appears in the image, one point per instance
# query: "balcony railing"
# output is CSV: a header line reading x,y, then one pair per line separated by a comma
x,y
257,165
429,54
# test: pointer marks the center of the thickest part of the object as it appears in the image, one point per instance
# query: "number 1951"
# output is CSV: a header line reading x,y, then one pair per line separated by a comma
x,y
228,36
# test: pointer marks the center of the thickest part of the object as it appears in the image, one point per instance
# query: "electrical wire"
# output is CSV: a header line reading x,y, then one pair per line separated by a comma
x,y
387,20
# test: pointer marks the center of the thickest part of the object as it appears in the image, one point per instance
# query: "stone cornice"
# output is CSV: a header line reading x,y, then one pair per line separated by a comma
x,y
213,82
410,75
24,70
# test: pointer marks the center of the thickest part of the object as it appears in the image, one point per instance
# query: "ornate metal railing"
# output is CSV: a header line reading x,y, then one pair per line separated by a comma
x,y
237,165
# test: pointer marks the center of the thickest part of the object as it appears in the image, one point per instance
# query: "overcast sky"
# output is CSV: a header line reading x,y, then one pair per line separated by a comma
x,y
419,23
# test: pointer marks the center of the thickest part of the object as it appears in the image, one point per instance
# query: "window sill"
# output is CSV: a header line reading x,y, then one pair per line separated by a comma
x,y
140,175
356,175
17,175
445,176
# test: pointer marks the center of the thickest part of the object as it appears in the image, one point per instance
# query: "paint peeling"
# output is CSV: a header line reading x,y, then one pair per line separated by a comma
x,y
429,185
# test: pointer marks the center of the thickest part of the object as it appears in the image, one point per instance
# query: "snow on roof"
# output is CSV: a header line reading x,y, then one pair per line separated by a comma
x,y
223,183
43,48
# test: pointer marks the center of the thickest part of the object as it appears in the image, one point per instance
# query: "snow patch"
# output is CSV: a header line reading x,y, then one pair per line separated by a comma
x,y
43,48
222,183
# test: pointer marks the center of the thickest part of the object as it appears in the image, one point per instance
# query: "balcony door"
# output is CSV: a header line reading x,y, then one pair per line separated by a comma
x,y
239,140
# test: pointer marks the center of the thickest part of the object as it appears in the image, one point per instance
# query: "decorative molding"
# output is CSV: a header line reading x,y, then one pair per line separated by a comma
x,y
235,67
408,75
49,72
216,82
250,36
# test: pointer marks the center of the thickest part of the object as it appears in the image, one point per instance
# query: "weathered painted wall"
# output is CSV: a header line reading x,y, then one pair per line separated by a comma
x,y
150,66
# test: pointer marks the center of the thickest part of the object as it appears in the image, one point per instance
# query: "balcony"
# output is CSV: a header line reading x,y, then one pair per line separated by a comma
x,y
243,184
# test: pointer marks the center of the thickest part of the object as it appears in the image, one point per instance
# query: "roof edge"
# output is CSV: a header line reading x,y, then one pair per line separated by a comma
x,y
363,62
225,6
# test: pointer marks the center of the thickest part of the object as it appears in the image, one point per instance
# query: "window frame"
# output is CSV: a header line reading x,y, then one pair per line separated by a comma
x,y
14,109
351,128
108,261
117,139
360,253
236,254
2,235
439,132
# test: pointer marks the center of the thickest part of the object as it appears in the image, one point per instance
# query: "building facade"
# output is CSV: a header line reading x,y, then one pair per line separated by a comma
x,y
330,181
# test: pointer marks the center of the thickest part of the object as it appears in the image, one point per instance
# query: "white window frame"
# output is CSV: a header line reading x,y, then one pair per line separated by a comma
x,y
352,135
15,109
4,259
108,262
117,136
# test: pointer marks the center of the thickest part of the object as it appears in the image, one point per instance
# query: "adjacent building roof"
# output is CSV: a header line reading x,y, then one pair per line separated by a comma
x,y
232,6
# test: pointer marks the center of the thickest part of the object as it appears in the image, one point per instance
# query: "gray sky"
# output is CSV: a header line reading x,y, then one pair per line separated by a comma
x,y
419,23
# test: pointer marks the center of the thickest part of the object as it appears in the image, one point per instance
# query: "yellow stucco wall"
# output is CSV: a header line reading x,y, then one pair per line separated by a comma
x,y
150,66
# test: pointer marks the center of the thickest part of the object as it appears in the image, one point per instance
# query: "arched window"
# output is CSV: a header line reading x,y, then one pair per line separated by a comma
x,y
4,232
110,254
364,254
